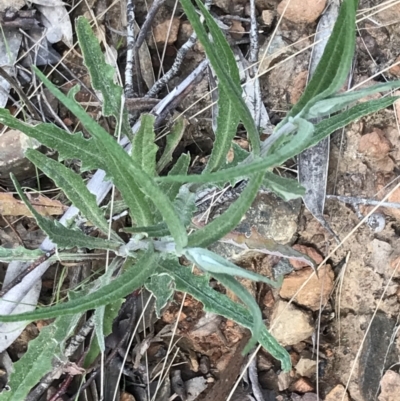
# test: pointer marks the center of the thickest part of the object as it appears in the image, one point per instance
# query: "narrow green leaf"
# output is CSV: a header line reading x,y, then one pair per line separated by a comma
x,y
74,188
37,360
223,224
68,146
162,287
173,139
213,263
98,326
126,175
19,253
144,149
215,302
333,104
334,66
215,50
326,127
291,147
101,74
62,236
227,122
132,278
285,188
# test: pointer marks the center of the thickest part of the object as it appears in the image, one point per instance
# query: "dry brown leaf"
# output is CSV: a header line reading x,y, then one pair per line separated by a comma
x,y
9,206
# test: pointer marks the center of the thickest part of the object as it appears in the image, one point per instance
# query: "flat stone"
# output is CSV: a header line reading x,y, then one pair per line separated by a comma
x,y
302,11
306,367
337,394
315,291
161,33
390,386
271,216
302,385
290,325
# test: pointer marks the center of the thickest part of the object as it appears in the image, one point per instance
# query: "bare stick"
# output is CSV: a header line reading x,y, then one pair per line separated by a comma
x,y
130,39
147,23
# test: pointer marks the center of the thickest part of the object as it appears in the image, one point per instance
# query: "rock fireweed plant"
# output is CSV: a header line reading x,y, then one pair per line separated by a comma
x,y
162,207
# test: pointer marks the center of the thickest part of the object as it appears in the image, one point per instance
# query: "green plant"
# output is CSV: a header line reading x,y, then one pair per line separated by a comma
x,y
162,207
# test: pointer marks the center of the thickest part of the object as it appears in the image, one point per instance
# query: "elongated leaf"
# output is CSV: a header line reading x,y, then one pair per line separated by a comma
x,y
227,122
143,147
286,188
173,139
19,253
212,263
326,127
101,74
61,235
215,302
132,278
332,105
293,145
74,188
335,64
223,224
37,360
214,50
126,174
68,146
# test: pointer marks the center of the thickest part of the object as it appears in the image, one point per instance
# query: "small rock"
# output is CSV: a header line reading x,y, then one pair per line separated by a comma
x,y
267,16
390,386
283,381
290,325
306,367
374,144
161,33
311,293
337,394
309,251
302,385
302,11
236,30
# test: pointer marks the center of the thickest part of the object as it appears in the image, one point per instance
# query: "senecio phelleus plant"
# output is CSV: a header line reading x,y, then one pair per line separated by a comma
x,y
161,207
